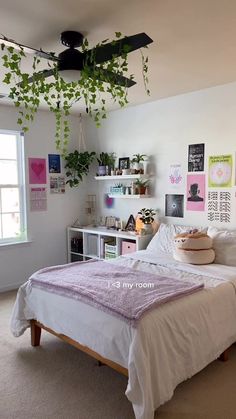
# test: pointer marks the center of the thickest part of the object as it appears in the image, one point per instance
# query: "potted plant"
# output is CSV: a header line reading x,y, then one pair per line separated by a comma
x,y
146,215
136,160
106,162
140,186
112,160
77,165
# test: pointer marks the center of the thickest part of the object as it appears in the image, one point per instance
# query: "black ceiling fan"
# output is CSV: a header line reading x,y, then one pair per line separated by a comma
x,y
72,59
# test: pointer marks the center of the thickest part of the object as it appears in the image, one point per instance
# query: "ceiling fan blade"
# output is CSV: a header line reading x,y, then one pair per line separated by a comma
x,y
40,74
40,53
109,76
116,48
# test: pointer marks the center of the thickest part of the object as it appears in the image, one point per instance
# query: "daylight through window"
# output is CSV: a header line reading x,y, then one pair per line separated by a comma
x,y
12,188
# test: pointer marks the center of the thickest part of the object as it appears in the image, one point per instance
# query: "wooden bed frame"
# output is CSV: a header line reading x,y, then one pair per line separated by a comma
x,y
36,328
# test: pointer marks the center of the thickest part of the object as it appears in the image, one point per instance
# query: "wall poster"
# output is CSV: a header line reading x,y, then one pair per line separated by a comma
x,y
196,154
38,199
54,163
219,206
174,205
195,192
37,171
220,171
175,175
57,184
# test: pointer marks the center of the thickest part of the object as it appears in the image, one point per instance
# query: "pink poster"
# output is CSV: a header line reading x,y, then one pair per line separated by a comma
x,y
37,171
195,192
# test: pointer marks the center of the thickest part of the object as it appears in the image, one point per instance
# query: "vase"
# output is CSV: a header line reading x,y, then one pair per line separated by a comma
x,y
147,228
101,170
145,166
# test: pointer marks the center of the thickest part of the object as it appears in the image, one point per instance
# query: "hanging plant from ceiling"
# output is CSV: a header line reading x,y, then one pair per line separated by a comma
x,y
99,77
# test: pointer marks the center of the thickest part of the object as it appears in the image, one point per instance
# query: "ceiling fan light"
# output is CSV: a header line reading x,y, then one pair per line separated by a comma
x,y
70,76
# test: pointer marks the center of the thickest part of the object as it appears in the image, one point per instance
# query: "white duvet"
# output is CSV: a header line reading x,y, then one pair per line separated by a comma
x,y
170,344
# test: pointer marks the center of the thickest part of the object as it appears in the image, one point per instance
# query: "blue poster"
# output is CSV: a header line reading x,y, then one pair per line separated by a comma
x,y
54,163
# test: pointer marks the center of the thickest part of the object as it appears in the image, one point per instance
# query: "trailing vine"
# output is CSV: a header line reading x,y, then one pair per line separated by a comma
x,y
29,90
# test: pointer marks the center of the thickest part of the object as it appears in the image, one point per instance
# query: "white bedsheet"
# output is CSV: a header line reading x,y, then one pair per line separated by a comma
x,y
171,343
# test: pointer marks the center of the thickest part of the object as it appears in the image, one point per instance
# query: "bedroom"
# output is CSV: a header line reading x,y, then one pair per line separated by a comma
x,y
195,103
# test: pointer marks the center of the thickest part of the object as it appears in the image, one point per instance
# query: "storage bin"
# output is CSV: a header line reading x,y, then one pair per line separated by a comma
x,y
110,248
127,247
110,255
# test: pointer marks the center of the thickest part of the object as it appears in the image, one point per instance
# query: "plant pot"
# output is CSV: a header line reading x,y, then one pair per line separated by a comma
x,y
101,170
140,190
145,167
137,167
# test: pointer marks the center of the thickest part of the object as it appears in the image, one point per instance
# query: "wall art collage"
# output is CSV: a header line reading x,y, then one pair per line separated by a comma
x,y
38,176
217,200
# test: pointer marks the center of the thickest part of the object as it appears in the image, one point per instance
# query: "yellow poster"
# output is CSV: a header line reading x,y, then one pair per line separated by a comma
x,y
220,171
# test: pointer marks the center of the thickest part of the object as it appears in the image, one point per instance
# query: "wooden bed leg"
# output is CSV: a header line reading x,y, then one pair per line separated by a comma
x,y
224,356
100,364
35,333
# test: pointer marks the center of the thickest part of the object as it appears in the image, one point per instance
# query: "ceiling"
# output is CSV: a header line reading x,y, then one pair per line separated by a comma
x,y
194,40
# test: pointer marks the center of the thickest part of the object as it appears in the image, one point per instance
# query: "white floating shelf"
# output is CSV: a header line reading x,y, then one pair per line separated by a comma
x,y
120,177
128,196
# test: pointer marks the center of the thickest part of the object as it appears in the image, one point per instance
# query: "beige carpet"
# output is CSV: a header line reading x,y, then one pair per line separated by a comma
x,y
58,381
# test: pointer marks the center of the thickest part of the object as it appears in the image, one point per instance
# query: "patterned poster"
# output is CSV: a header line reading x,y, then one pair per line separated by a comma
x,y
175,175
195,192
219,206
37,171
174,205
220,171
196,154
38,199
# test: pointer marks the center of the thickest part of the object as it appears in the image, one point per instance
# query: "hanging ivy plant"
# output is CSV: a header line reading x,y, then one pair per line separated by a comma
x,y
77,165
29,90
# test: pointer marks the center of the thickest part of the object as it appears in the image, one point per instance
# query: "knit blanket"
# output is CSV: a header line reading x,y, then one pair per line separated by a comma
x,y
120,291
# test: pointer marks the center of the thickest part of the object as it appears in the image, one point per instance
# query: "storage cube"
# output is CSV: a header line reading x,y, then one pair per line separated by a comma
x,y
128,247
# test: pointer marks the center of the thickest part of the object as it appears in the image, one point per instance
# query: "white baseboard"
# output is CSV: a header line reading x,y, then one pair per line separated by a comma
x,y
10,287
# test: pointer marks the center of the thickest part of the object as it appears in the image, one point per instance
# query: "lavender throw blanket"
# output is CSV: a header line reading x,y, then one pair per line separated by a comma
x,y
121,291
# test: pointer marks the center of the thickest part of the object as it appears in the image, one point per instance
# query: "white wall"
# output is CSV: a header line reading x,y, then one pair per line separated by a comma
x,y
47,229
163,129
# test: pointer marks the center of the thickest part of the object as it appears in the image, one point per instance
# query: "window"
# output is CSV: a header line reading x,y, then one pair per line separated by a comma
x,y
12,188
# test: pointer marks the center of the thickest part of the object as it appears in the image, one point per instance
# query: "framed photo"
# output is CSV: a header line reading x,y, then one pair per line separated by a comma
x,y
124,163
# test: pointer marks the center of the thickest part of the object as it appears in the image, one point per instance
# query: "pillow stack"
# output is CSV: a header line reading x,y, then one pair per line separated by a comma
x,y
193,247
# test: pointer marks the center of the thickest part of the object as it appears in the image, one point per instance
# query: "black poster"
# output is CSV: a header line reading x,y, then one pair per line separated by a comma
x,y
196,157
174,206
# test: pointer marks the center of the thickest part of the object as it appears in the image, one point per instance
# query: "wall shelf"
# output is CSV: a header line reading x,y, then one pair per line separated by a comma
x,y
134,196
120,177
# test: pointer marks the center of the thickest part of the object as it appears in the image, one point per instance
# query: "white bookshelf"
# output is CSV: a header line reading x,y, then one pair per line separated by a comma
x,y
91,242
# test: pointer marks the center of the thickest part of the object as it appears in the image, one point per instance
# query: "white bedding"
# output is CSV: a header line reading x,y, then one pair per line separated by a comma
x,y
171,343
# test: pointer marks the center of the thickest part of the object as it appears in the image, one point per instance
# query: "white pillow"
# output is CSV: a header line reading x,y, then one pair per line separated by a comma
x,y
163,239
224,244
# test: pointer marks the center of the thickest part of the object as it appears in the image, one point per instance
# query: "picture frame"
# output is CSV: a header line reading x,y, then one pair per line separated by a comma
x,y
124,163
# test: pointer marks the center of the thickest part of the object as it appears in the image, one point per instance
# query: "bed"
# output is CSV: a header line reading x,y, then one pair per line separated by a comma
x,y
171,342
